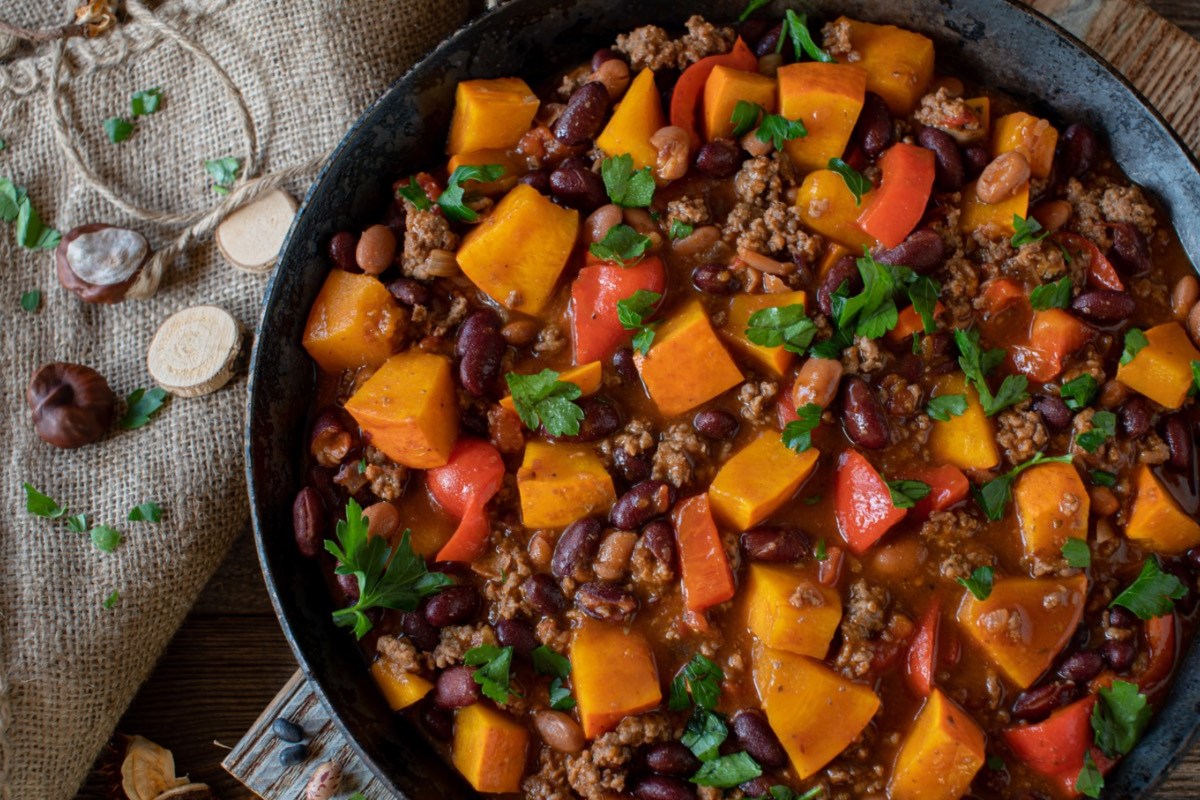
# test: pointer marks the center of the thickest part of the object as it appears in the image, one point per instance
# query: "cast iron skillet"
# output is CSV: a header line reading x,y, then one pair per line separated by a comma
x,y
1002,44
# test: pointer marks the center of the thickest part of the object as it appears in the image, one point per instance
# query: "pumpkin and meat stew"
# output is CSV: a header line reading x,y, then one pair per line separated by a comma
x,y
761,412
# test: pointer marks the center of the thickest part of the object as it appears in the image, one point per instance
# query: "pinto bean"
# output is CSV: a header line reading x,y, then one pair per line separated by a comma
x,y
1052,214
1193,323
598,223
1054,412
950,172
383,519
576,186
700,240
1037,703
845,270
921,251
1081,667
1130,252
614,74
543,593
330,439
1135,416
1078,151
1185,295
480,349
862,416
817,382
606,602
1104,306
673,146
517,634
559,730
602,55
873,131
646,501
584,114
576,547
1002,178
308,522
1178,434
376,249
715,279
774,544
612,559
716,424
756,738
453,606
671,758
456,688
719,158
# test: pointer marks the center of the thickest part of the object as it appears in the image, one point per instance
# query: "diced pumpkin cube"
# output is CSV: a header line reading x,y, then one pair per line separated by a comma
x,y
400,688
490,114
724,88
827,98
704,568
827,206
479,158
409,409
789,609
1156,520
519,250
966,441
354,322
899,63
834,252
637,117
1162,370
977,214
613,675
1024,623
1031,137
560,483
940,755
489,748
586,376
758,480
742,307
1052,506
814,711
687,365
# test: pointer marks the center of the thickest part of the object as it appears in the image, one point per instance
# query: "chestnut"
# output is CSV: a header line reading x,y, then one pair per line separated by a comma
x,y
72,404
98,263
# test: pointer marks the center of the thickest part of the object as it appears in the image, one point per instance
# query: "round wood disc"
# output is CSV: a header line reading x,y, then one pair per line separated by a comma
x,y
194,351
250,237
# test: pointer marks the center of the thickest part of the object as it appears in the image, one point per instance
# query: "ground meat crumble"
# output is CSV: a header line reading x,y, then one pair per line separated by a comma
x,y
651,46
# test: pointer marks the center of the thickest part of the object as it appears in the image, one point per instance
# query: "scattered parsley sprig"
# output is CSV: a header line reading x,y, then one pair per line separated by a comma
x,y
557,666
632,313
782,326
1152,593
543,400
797,434
627,187
622,245
1027,230
29,230
140,406
1051,295
906,493
1104,427
994,495
980,582
856,182
976,363
453,201
945,406
494,664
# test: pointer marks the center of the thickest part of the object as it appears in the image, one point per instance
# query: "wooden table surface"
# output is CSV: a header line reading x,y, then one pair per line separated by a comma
x,y
230,658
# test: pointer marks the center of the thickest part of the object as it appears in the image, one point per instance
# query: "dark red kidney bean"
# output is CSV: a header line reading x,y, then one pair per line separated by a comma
x,y
1078,151
395,216
602,55
758,787
715,279
1178,434
600,419
577,186
642,503
576,547
606,602
1054,412
921,251
950,172
1192,557
873,131
456,688
769,41
755,736
539,179
1122,617
975,159
1134,417
452,606
342,247
633,467
308,522
410,292
626,368
1037,703
862,416
715,423
1130,252
543,593
671,758
1081,667
1104,306
438,721
1119,653
348,584
419,631
518,635
660,787
845,270
659,538
720,158
480,348
774,544
583,116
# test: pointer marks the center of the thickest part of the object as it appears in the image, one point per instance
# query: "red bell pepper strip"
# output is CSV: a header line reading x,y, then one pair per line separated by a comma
x,y
707,578
948,487
1101,272
595,328
829,573
921,663
1055,747
898,204
689,89
463,487
1160,637
1054,335
862,502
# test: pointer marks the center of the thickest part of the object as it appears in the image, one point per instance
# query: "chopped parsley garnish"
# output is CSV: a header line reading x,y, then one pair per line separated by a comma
x,y
1051,295
224,172
777,129
700,679
542,399
786,326
832,347
112,600
1090,782
698,684
994,495
30,301
906,493
822,551
727,771
453,200
872,312
627,187
1027,231
797,434
704,734
1119,718
146,512
1103,478
29,231
557,666
1135,340
796,26
40,505
145,102
744,117
1079,392
781,792
632,313
680,229
140,406
1152,593
980,582
117,129
923,292
414,193
622,245
492,676
945,406
386,578
976,363
751,7
1104,427
1195,370
77,523
856,182
995,763
1077,553
106,539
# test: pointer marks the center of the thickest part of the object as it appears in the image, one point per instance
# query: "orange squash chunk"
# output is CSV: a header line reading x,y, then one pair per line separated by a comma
x,y
479,158
827,98
1052,506
489,748
742,307
789,609
585,376
977,214
724,88
1162,370
613,674
966,441
1031,137
827,206
490,114
687,364
409,409
940,755
400,688
1156,520
354,322
638,116
758,480
899,63
1024,623
559,483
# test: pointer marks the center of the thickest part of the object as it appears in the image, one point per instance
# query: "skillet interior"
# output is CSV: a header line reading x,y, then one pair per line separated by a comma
x,y
998,42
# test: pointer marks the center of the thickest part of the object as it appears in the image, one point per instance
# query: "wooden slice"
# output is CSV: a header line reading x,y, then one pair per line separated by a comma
x,y
194,351
250,237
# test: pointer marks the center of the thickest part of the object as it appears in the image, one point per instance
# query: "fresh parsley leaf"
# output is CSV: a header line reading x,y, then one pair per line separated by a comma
x,y
1011,392
626,187
872,312
751,7
542,399
106,539
1135,340
118,129
1090,782
945,406
811,794
812,500
727,771
362,466
677,697
1027,231
702,680
680,229
856,182
1195,378
906,493
994,495
821,552
140,406
224,173
1079,392
453,200
4,144
30,301
705,732
29,230
145,102
548,662
11,197
494,664
923,292
1104,427
976,363
744,117
622,245
995,763
40,505
414,193
1119,718
777,129
1051,295
146,512
386,578
797,434
802,41
1102,478
77,523
1077,553
980,582
560,696
1152,593
786,326
832,347
632,313
112,600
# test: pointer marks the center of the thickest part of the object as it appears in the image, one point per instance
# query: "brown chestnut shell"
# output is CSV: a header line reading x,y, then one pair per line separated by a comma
x,y
72,404
99,292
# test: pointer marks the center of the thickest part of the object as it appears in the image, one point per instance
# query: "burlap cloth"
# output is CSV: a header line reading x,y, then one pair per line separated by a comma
x,y
68,665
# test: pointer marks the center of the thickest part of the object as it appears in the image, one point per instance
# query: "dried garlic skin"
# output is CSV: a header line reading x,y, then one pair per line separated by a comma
x,y
148,770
